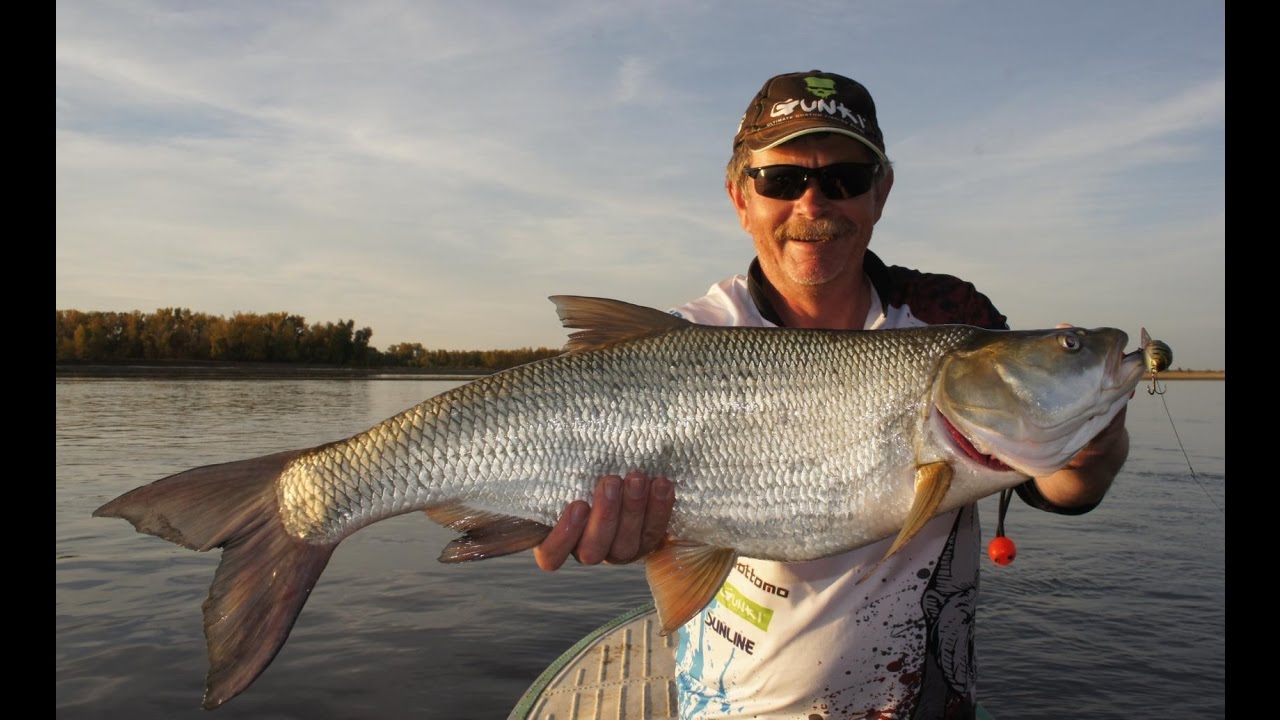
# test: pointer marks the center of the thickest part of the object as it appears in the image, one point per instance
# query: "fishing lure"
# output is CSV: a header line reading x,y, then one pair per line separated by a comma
x,y
1158,357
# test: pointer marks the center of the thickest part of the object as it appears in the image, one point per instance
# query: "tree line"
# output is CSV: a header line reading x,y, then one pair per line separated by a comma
x,y
180,334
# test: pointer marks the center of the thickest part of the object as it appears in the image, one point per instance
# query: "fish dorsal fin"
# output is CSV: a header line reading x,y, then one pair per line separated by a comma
x,y
484,534
684,577
604,322
933,480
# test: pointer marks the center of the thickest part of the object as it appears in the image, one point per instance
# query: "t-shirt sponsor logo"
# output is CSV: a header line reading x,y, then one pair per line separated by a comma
x,y
722,629
750,573
753,612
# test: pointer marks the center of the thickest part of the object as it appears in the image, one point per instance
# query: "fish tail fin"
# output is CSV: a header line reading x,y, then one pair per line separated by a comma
x,y
265,575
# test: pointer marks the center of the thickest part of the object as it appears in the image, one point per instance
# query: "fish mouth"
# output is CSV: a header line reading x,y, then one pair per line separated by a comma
x,y
1136,357
1125,371
966,447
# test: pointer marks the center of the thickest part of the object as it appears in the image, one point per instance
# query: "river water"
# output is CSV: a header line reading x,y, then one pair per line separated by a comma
x,y
1119,613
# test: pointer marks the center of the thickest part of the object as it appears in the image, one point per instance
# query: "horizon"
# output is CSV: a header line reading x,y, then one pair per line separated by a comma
x,y
434,172
374,346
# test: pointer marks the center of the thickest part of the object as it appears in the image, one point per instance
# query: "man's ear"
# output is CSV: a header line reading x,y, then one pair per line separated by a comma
x,y
738,195
882,190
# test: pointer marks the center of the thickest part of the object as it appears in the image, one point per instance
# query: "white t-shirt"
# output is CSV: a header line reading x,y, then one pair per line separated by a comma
x,y
800,639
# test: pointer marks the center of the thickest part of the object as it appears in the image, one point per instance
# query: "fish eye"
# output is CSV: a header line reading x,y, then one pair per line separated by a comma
x,y
1069,342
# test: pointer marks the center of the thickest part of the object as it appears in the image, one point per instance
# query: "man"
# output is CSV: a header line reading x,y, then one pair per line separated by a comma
x,y
809,179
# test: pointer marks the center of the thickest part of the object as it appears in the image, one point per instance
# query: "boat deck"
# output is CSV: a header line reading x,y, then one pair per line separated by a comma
x,y
623,670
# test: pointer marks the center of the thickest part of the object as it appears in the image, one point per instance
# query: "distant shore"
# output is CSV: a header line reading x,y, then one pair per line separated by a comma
x,y
209,370
263,371
1192,375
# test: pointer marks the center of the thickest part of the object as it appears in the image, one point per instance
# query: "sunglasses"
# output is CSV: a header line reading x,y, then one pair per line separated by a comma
x,y
840,181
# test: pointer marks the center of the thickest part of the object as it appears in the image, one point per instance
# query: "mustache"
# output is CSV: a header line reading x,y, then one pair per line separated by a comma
x,y
816,230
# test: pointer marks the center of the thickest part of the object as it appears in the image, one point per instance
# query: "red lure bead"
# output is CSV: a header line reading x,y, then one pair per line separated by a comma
x,y
1002,550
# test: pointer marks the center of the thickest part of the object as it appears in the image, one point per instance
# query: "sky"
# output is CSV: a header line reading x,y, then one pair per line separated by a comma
x,y
435,170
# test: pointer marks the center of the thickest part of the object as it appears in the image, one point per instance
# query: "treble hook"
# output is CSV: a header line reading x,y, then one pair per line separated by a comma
x,y
1155,389
1158,356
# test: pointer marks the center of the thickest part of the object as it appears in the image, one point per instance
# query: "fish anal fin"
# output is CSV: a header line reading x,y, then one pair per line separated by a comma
x,y
933,480
684,577
606,322
484,534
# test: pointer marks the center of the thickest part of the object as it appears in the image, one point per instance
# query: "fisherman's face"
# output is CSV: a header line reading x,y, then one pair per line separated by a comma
x,y
811,241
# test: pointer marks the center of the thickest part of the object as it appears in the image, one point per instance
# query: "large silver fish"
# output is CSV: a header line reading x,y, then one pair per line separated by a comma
x,y
782,444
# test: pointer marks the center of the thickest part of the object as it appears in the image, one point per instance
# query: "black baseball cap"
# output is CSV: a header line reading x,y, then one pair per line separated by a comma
x,y
796,104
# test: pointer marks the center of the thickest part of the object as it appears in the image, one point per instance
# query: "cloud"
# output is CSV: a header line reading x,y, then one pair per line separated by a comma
x,y
419,165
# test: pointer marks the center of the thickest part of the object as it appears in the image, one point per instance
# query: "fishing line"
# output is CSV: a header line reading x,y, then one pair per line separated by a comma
x,y
1157,356
1184,450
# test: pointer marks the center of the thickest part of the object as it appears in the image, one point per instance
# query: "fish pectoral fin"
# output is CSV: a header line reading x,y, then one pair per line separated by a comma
x,y
684,577
933,480
484,534
606,322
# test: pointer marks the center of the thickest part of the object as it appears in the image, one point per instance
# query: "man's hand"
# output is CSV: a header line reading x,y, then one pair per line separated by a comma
x,y
626,520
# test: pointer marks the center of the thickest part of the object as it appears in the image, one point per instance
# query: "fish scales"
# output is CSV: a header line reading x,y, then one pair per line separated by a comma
x,y
810,424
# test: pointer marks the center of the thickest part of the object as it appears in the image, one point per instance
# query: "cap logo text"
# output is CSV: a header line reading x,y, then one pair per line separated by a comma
x,y
829,107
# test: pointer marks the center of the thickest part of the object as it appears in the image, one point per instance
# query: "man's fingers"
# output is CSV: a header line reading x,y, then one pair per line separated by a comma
x,y
635,497
657,515
602,524
626,519
557,545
